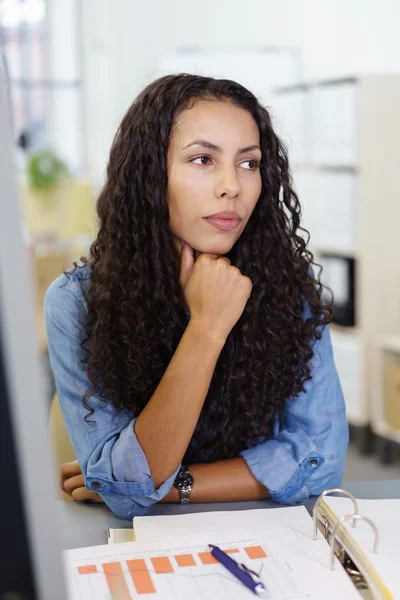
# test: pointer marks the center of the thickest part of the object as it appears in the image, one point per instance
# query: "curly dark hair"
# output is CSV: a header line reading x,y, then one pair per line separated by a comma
x,y
135,317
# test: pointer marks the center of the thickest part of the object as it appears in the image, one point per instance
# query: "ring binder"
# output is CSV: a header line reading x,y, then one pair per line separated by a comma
x,y
346,549
347,518
318,502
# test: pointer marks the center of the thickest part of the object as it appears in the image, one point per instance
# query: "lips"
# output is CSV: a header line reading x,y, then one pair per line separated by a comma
x,y
225,214
223,223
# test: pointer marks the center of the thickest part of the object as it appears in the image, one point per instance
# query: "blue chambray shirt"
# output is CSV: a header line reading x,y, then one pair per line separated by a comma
x,y
304,456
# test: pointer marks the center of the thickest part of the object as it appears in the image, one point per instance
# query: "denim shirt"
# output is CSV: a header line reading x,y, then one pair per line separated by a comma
x,y
304,456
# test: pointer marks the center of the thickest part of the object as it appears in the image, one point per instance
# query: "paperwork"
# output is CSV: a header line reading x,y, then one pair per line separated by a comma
x,y
183,567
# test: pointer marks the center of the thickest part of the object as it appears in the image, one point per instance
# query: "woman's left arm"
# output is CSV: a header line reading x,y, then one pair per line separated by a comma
x,y
222,481
305,455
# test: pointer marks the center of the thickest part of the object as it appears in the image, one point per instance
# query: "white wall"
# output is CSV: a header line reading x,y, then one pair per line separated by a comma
x,y
123,41
342,37
64,95
122,48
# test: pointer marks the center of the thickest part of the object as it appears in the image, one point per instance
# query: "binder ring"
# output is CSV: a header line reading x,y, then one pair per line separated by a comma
x,y
347,518
318,502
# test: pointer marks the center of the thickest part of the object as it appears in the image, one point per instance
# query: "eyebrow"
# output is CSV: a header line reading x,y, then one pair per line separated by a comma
x,y
211,146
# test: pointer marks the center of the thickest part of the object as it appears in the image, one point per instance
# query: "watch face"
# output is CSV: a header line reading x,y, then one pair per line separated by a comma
x,y
183,479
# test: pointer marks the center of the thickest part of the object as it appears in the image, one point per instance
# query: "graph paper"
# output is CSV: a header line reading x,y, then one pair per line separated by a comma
x,y
184,568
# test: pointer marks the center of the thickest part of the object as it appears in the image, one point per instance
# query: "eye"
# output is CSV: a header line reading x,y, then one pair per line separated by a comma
x,y
254,164
203,157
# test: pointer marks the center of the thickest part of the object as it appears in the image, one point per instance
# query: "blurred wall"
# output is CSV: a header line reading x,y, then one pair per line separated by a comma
x,y
341,37
122,47
121,43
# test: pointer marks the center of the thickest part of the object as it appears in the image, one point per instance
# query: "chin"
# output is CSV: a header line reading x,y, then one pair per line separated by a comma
x,y
216,248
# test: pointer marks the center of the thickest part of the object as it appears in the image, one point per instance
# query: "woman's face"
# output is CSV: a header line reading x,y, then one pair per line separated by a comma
x,y
213,166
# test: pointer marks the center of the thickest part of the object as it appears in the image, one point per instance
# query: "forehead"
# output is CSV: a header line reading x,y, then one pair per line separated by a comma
x,y
217,121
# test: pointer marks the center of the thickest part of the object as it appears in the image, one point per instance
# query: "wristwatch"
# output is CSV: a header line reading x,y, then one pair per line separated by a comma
x,y
184,483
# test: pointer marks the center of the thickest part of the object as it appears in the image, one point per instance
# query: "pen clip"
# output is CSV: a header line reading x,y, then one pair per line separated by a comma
x,y
255,576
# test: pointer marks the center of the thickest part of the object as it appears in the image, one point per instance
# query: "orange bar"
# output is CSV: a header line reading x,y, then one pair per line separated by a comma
x,y
162,564
185,560
207,558
231,551
116,581
87,569
140,576
256,552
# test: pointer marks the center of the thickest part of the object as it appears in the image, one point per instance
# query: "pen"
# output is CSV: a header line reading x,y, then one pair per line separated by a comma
x,y
248,577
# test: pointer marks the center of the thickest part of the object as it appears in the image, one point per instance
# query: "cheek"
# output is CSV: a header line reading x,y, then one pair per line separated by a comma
x,y
185,199
253,192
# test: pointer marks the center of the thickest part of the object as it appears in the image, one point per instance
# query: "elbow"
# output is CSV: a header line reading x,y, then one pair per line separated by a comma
x,y
311,480
125,507
330,476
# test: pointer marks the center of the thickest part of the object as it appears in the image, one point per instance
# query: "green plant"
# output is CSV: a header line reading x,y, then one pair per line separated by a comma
x,y
45,170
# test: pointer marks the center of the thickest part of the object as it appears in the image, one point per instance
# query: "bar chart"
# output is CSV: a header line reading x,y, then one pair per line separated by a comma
x,y
179,573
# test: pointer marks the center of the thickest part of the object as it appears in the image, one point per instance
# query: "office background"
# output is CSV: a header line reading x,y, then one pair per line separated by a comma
x,y
329,71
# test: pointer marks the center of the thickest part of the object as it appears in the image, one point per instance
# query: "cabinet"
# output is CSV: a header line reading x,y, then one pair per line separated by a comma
x,y
345,157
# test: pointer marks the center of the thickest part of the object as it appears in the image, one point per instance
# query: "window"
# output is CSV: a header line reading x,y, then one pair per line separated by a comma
x,y
23,41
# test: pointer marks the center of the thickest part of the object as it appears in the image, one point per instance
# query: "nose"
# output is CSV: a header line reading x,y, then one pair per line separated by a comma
x,y
227,184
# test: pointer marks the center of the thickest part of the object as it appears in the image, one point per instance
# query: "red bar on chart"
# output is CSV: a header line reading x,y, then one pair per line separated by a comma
x,y
207,558
116,581
87,569
162,564
185,560
141,576
256,552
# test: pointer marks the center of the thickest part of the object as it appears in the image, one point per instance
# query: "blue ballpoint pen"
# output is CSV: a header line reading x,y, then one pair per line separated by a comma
x,y
248,577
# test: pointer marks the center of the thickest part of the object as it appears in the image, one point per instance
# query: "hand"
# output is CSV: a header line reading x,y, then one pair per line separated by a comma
x,y
215,291
72,483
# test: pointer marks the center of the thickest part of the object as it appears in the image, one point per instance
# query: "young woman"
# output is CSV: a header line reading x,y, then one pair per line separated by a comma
x,y
191,351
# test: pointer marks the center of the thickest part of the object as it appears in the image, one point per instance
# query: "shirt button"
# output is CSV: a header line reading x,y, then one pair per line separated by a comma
x,y
313,463
96,485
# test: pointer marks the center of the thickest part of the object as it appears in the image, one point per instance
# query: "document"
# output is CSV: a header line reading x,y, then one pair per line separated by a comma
x,y
183,567
165,526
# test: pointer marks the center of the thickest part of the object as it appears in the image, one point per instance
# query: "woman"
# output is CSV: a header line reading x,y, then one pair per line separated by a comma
x,y
191,352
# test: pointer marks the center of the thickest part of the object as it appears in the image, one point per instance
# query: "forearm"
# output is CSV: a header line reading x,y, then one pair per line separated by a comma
x,y
223,481
165,426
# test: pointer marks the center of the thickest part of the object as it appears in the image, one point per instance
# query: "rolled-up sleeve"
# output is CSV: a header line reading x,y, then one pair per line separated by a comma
x,y
107,449
307,451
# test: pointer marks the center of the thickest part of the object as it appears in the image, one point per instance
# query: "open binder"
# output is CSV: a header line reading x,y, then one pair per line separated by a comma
x,y
343,545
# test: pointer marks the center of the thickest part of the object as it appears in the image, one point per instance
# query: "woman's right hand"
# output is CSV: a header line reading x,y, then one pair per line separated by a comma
x,y
215,291
72,483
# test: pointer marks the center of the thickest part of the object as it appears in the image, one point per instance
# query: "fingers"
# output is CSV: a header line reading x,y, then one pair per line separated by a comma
x,y
187,262
70,469
81,494
73,483
67,470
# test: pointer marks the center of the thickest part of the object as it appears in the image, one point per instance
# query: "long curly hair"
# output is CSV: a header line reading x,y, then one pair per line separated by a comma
x,y
135,319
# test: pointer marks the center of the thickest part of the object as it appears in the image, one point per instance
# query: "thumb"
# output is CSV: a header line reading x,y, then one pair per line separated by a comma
x,y
187,262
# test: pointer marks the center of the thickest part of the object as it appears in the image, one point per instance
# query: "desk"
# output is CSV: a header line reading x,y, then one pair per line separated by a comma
x,y
85,525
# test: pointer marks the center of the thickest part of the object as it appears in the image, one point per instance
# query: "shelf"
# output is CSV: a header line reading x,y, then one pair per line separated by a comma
x,y
350,331
344,179
315,166
335,251
389,342
305,85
